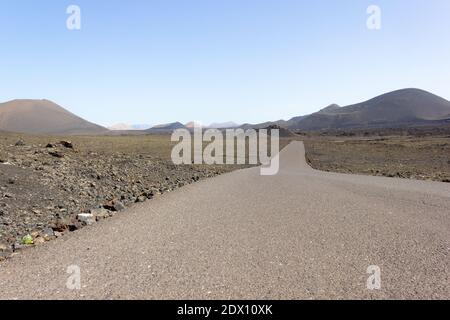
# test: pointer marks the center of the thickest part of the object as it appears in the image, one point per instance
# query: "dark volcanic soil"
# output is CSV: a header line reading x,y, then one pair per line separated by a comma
x,y
415,157
45,184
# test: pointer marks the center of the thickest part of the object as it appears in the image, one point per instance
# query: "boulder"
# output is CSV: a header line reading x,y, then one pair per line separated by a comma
x,y
141,199
86,218
20,142
48,234
114,205
38,241
67,144
100,213
61,224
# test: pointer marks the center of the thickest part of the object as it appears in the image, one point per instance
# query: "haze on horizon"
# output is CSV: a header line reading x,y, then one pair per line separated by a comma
x,y
216,61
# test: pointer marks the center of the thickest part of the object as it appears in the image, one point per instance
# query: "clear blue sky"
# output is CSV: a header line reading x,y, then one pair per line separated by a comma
x,y
218,60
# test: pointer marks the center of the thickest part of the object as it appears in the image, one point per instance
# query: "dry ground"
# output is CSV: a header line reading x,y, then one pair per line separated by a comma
x,y
424,157
45,185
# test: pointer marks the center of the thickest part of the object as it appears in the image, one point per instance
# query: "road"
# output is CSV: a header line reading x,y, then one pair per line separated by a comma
x,y
302,234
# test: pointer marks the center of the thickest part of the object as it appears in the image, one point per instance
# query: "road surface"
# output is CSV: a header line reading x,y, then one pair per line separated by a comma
x,y
302,234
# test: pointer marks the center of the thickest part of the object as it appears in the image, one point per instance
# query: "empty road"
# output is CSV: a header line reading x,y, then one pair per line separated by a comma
x,y
301,234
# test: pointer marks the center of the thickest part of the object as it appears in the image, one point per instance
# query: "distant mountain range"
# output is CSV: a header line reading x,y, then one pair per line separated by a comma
x,y
190,125
406,107
398,108
168,126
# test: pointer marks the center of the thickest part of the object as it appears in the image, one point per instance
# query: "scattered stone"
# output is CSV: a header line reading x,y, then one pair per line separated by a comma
x,y
20,143
64,223
56,154
67,144
38,241
114,205
100,213
86,218
119,206
48,234
141,199
41,195
34,233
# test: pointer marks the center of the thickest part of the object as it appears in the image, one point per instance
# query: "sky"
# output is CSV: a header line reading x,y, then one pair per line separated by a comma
x,y
249,61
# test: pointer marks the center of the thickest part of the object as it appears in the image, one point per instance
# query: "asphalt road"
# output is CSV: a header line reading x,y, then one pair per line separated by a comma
x,y
302,234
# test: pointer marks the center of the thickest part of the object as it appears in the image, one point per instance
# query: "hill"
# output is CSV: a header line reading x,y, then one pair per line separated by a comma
x,y
43,117
398,108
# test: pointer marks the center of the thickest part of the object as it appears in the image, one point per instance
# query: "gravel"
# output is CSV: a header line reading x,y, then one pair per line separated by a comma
x,y
47,186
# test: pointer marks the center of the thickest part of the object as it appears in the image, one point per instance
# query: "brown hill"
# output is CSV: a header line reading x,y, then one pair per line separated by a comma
x,y
402,107
43,117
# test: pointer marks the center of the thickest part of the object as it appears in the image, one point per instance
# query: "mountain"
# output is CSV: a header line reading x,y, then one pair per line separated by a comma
x,y
141,126
168,126
291,122
283,132
330,108
43,117
397,108
280,123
